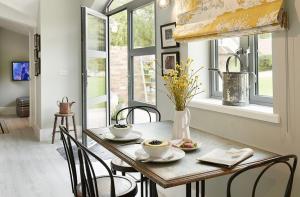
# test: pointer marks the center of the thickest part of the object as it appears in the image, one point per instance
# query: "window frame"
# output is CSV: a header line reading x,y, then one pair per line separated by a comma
x,y
253,60
246,42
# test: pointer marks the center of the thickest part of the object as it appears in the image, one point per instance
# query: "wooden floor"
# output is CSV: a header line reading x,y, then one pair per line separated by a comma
x,y
29,168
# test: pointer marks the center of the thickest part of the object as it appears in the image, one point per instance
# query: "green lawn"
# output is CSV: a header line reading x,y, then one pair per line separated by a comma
x,y
96,88
265,84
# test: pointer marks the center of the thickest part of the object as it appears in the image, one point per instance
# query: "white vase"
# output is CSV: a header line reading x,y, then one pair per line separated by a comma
x,y
181,125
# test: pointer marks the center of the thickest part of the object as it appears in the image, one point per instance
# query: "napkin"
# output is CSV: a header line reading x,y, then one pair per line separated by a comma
x,y
227,158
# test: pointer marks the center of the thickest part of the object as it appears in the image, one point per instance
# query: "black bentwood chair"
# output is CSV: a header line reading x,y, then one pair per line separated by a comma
x,y
285,160
92,185
117,165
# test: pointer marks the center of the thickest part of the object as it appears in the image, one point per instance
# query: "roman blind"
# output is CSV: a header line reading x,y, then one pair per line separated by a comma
x,y
213,19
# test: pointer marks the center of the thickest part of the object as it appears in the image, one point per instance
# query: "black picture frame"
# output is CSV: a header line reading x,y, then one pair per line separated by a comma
x,y
37,66
36,55
175,59
173,43
37,42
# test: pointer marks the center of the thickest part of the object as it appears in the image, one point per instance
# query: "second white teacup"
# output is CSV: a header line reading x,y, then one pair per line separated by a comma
x,y
156,148
120,132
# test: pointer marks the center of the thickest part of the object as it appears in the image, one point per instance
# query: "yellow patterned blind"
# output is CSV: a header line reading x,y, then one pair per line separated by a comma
x,y
212,19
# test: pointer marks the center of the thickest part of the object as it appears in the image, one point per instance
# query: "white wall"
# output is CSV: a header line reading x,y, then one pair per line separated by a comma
x,y
164,16
13,47
283,138
60,29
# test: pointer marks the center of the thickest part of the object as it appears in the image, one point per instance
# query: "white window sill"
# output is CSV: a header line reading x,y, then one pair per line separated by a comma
x,y
251,111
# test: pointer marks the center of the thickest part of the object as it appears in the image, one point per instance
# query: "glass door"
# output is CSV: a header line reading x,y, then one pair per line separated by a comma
x,y
132,60
118,63
142,60
95,107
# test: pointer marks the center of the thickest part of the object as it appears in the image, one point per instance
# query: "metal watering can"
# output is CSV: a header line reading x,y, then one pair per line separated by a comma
x,y
236,85
65,106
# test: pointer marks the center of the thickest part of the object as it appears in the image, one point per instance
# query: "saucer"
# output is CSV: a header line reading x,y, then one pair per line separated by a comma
x,y
174,154
133,135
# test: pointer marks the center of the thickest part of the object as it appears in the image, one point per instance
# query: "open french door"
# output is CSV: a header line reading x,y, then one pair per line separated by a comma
x,y
95,105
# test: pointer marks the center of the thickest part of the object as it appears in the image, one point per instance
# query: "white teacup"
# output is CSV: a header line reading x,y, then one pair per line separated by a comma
x,y
156,151
120,132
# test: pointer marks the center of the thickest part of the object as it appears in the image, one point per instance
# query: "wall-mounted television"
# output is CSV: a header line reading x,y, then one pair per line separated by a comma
x,y
20,71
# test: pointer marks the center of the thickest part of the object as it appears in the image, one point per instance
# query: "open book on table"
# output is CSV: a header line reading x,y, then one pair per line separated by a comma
x,y
227,158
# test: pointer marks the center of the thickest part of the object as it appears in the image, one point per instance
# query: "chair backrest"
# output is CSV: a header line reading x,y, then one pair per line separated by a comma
x,y
147,109
68,147
286,160
88,177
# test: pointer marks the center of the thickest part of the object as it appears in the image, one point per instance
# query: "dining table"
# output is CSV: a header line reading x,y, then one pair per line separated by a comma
x,y
185,171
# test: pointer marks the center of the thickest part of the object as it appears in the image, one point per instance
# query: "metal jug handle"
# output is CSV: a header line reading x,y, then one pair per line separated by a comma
x,y
65,98
228,61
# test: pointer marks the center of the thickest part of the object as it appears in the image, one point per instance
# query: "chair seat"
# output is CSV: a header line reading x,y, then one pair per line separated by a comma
x,y
120,165
124,186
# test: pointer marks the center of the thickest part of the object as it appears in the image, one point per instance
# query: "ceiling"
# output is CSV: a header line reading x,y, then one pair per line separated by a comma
x,y
18,15
27,7
21,15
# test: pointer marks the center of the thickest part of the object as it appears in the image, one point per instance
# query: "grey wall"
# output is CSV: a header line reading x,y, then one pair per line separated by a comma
x,y
13,46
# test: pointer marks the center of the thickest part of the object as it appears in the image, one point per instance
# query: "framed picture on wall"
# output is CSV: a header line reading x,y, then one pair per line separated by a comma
x,y
37,68
36,55
37,41
169,61
166,34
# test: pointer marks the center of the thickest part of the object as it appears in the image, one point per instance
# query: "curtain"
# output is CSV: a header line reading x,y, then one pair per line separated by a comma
x,y
213,19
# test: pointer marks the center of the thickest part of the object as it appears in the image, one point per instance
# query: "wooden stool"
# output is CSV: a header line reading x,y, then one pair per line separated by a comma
x,y
63,117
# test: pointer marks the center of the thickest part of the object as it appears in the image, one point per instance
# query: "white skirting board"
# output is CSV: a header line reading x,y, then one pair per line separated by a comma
x,y
8,110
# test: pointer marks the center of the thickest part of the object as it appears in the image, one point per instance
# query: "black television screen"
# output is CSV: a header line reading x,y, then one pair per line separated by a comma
x,y
20,71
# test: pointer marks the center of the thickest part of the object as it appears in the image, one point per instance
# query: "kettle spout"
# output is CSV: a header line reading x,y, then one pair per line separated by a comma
x,y
216,70
72,103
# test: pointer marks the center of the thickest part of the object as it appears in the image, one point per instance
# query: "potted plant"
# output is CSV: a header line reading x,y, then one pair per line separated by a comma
x,y
182,84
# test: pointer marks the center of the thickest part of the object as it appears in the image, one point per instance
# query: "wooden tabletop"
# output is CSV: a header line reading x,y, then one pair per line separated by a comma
x,y
186,170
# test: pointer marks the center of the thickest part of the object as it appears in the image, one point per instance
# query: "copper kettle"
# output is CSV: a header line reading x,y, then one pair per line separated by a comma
x,y
65,106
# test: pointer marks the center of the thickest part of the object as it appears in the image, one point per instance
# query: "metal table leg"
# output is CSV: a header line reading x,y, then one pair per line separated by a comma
x,y
197,189
142,185
203,188
153,190
189,190
146,185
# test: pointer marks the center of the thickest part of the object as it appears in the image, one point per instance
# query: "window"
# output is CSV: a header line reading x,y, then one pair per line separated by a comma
x,y
143,27
264,65
143,54
132,55
256,55
144,79
118,64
